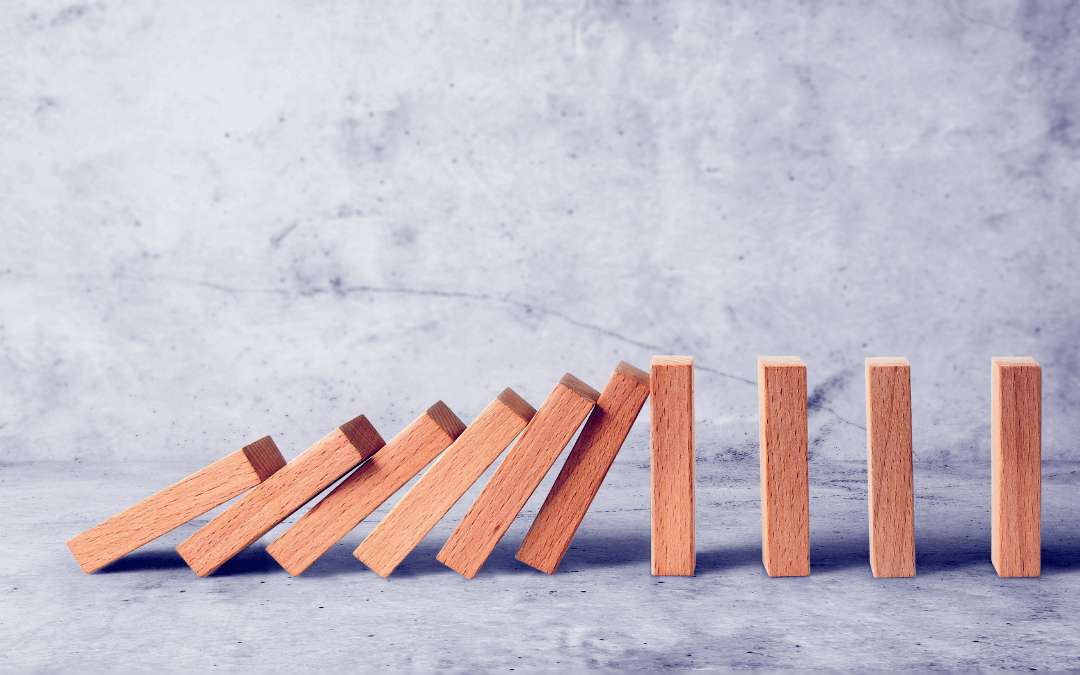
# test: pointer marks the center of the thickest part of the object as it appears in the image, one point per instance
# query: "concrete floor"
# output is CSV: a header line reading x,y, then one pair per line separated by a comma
x,y
602,609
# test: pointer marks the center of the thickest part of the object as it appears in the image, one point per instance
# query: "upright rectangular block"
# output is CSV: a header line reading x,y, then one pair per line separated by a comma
x,y
1016,466
584,470
176,505
487,520
366,489
889,467
257,512
785,490
444,483
674,548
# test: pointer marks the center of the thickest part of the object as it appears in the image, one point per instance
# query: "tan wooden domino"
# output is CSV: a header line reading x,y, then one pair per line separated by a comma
x,y
175,505
257,512
584,470
366,488
672,455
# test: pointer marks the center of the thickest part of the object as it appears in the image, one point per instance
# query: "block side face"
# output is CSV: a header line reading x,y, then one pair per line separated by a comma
x,y
515,480
891,487
264,457
516,404
163,512
583,472
446,419
786,494
275,499
672,476
355,498
440,488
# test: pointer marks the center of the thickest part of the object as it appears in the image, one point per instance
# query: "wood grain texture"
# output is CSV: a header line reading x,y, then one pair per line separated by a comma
x,y
366,488
889,467
487,520
671,412
257,512
584,470
1016,466
175,505
785,489
444,483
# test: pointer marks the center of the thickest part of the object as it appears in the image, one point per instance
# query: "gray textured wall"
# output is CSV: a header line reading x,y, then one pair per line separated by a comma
x,y
222,220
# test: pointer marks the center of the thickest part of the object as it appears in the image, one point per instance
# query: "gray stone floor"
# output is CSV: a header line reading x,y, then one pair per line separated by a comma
x,y
602,609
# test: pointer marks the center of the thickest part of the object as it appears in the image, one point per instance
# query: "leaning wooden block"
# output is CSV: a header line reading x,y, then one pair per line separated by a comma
x,y
366,489
785,490
1016,466
257,512
584,470
444,483
487,520
674,548
176,505
889,474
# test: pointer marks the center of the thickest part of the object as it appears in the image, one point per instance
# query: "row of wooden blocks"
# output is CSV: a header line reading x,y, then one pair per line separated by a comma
x,y
463,454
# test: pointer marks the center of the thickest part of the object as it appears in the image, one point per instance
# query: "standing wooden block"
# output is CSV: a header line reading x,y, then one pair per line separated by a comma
x,y
1016,466
671,412
176,505
366,489
785,490
889,474
257,512
580,478
487,520
444,483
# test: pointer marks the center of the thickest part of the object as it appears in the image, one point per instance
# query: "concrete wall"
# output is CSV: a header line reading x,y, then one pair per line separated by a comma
x,y
222,220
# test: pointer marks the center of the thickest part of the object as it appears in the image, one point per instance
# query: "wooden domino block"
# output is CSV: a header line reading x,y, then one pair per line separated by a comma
x,y
444,483
175,505
889,468
1016,466
487,520
584,470
366,489
257,512
785,490
671,407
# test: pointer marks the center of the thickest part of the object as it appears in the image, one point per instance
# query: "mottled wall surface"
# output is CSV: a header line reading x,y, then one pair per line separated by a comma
x,y
222,220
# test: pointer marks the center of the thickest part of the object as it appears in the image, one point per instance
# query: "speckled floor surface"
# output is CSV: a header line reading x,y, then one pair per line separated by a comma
x,y
602,609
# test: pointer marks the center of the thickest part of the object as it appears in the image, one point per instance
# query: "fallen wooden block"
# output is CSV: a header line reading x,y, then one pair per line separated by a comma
x,y
366,489
584,470
175,505
785,490
487,520
1016,466
257,512
671,405
889,467
444,483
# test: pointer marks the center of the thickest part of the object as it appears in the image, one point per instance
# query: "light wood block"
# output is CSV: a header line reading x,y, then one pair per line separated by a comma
x,y
175,505
584,470
487,520
671,412
785,490
366,488
889,467
257,512
1016,466
444,483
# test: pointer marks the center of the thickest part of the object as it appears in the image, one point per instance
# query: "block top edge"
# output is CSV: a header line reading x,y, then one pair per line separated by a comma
x,y
670,360
633,372
1014,361
886,361
446,419
578,387
773,361
517,405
